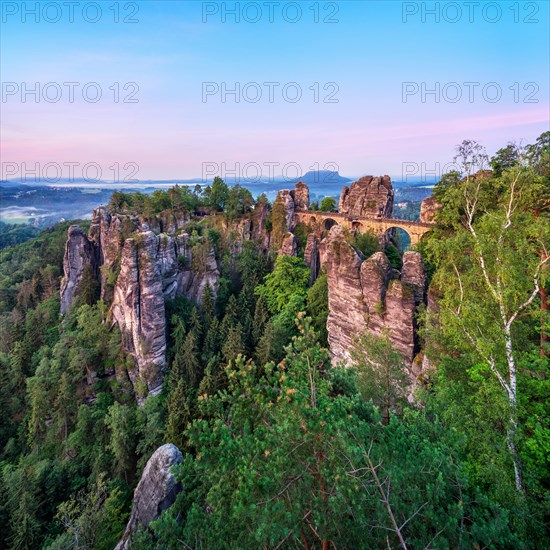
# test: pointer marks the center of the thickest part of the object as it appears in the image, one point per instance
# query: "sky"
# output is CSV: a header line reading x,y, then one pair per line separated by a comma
x,y
142,89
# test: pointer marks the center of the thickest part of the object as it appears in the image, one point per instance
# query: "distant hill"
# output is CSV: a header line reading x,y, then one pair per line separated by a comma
x,y
319,177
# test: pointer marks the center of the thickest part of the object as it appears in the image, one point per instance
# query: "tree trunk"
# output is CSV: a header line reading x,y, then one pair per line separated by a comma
x,y
544,306
512,421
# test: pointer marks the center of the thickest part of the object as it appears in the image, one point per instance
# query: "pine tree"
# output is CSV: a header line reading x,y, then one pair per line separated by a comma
x,y
120,421
232,309
207,306
190,361
195,324
381,373
180,412
211,381
63,403
230,318
234,343
261,316
266,345
24,522
212,342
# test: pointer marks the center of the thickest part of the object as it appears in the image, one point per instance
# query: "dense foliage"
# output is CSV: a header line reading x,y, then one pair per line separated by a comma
x,y
281,448
13,233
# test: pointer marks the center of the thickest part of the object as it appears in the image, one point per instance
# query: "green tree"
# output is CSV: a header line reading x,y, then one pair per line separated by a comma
x,y
366,242
25,525
289,277
261,317
190,360
207,306
121,423
219,193
180,411
328,204
278,223
504,159
285,460
491,270
317,307
233,345
381,374
239,202
213,341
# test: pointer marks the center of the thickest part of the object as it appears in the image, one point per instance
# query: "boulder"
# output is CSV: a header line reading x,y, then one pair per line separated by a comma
x,y
375,276
156,491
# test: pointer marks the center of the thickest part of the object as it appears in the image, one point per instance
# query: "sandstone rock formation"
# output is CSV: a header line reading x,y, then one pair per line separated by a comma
x,y
260,234
369,295
289,246
156,491
138,269
429,209
312,256
413,272
197,268
165,222
138,309
399,319
347,310
285,197
107,233
368,196
155,268
301,196
80,255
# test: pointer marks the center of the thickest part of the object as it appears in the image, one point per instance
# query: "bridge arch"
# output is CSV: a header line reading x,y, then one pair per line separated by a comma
x,y
329,223
399,236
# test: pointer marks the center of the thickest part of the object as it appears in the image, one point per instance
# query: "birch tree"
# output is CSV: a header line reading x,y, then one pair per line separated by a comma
x,y
491,270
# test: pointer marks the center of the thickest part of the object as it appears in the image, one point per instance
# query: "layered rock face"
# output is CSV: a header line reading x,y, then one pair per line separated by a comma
x,y
429,209
138,309
138,269
292,200
289,246
312,256
369,295
107,235
156,491
196,268
301,196
413,273
80,255
368,196
285,197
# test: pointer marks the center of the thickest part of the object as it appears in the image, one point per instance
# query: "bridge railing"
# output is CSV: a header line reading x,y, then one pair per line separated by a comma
x,y
322,215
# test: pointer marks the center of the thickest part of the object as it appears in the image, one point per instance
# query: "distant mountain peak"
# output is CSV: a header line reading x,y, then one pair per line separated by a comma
x,y
320,177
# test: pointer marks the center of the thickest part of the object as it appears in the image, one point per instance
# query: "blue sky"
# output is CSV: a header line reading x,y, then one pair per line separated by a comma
x,y
363,58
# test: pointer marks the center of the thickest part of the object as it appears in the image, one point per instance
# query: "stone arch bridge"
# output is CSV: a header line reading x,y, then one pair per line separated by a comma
x,y
379,226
